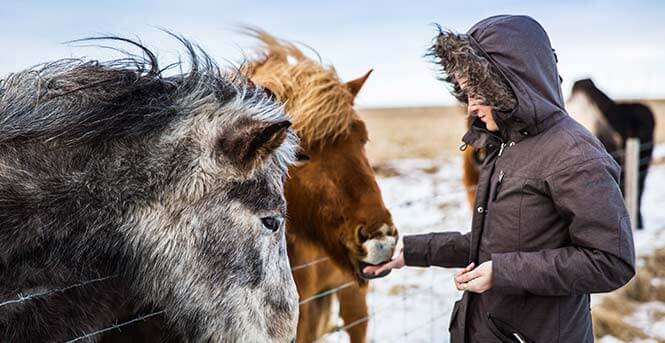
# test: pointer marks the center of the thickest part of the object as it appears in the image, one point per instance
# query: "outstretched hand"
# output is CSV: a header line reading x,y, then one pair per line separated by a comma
x,y
396,263
476,280
472,279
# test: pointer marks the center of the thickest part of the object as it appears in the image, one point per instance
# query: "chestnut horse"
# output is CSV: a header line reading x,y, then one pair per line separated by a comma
x,y
472,158
336,215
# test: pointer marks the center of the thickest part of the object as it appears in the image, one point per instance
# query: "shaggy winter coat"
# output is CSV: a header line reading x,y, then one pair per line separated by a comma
x,y
123,187
548,209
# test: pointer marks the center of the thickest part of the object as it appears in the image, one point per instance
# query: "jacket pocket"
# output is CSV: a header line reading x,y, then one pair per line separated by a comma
x,y
505,333
453,315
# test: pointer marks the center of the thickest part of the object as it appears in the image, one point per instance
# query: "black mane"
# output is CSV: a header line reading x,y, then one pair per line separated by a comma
x,y
586,86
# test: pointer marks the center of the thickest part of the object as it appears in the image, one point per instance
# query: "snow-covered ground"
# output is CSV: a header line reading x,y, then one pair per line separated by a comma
x,y
414,304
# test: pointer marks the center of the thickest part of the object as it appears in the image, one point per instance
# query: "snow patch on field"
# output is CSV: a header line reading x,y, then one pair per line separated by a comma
x,y
414,304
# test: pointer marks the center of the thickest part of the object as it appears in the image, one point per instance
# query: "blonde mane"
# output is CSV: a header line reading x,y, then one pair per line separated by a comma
x,y
318,102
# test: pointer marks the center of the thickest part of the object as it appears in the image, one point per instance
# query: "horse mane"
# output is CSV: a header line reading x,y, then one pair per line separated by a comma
x,y
595,95
75,101
317,101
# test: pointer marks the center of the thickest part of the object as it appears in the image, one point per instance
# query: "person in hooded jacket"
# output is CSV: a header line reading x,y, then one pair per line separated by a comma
x,y
549,226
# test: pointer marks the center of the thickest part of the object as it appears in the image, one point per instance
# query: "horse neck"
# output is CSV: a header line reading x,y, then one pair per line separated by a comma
x,y
601,100
312,230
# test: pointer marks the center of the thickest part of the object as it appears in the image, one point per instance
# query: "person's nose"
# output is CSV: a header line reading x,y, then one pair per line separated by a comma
x,y
472,110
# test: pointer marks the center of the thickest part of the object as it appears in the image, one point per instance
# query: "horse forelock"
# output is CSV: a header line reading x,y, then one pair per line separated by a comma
x,y
317,101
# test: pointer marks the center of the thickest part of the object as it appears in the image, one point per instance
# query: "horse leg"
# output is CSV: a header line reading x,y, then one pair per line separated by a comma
x,y
645,161
322,316
353,310
309,321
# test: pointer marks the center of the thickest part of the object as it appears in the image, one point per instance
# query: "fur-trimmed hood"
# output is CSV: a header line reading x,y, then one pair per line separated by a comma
x,y
508,62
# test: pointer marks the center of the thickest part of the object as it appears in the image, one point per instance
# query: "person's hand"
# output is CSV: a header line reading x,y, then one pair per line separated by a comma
x,y
396,263
476,280
461,286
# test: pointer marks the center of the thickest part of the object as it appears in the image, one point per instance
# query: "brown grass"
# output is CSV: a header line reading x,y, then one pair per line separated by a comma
x,y
416,132
609,314
656,263
640,288
430,132
607,322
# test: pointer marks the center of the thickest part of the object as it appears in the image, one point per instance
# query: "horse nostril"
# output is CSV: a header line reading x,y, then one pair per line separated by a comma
x,y
360,233
272,223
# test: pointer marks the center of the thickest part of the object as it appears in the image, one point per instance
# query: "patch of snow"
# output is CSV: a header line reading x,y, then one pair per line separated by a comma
x,y
650,318
414,304
610,339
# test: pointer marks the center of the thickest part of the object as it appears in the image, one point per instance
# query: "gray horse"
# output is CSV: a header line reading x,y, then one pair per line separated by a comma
x,y
119,184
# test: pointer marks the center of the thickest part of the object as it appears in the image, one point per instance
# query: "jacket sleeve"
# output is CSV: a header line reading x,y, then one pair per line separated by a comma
x,y
601,254
443,249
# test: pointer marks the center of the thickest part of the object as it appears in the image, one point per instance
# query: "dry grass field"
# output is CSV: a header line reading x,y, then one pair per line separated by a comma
x,y
427,132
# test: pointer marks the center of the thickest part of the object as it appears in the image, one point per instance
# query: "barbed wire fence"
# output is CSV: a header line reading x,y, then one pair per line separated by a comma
x,y
85,335
116,326
620,154
374,312
406,296
20,298
623,154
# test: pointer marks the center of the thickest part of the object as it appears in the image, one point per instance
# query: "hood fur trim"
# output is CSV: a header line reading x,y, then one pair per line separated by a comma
x,y
458,58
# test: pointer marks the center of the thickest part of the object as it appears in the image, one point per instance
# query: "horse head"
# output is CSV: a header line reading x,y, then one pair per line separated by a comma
x,y
173,185
333,199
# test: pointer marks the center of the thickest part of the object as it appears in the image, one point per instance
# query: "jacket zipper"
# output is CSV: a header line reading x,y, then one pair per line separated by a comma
x,y
503,145
498,185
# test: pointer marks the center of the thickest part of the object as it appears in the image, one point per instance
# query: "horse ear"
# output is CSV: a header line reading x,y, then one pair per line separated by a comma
x,y
354,86
247,146
267,139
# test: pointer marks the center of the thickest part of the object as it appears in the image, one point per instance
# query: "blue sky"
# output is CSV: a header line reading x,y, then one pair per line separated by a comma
x,y
619,44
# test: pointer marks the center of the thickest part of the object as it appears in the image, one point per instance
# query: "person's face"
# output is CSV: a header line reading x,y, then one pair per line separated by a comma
x,y
477,109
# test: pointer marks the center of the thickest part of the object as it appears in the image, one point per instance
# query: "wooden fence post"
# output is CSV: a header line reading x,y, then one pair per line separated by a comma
x,y
631,175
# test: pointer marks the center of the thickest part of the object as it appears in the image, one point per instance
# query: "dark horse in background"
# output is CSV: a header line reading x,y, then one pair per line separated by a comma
x,y
616,123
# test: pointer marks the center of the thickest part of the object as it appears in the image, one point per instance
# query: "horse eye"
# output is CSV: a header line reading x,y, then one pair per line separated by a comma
x,y
300,157
269,93
272,223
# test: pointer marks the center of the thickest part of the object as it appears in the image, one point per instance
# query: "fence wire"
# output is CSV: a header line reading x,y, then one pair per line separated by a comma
x,y
373,315
327,293
309,264
619,153
408,333
378,313
21,298
115,327
348,326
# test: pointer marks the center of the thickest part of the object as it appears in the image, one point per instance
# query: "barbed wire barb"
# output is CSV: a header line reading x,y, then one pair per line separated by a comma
x,y
115,327
21,298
